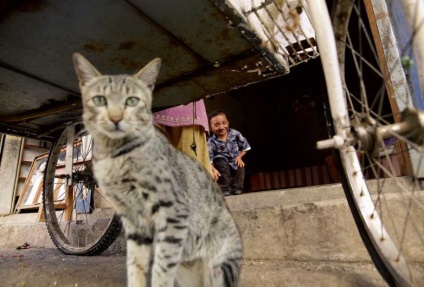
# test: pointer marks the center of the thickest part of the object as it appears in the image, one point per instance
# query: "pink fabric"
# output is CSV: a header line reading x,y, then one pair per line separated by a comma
x,y
183,116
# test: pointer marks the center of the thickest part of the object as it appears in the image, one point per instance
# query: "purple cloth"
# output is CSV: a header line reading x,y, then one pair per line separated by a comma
x,y
183,116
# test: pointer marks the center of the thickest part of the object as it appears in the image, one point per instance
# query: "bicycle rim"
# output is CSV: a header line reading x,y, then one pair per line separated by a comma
x,y
380,177
79,218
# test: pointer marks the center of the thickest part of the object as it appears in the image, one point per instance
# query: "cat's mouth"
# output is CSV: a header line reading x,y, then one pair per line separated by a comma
x,y
115,132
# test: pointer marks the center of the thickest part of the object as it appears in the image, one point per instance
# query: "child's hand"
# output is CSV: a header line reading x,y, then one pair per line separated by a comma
x,y
239,162
215,173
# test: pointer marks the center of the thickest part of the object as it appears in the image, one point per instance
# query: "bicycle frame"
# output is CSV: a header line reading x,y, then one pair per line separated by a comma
x,y
342,141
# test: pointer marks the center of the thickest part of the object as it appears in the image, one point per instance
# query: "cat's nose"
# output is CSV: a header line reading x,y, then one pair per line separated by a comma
x,y
116,119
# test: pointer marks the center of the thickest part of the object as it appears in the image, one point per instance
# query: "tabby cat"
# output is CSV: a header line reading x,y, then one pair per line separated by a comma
x,y
177,226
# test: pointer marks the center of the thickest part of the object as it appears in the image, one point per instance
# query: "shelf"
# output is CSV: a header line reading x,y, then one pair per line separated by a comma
x,y
35,146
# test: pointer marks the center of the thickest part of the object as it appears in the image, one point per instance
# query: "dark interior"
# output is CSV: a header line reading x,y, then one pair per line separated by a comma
x,y
282,119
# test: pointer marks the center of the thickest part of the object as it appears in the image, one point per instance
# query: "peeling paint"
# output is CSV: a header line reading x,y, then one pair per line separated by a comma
x,y
95,47
127,45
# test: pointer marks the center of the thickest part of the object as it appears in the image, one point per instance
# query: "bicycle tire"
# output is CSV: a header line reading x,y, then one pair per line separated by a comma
x,y
72,225
356,214
366,196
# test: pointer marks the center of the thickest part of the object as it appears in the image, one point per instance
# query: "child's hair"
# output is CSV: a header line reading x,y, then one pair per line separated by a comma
x,y
214,114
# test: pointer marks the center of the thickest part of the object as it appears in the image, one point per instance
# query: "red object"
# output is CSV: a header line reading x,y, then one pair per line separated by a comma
x,y
308,176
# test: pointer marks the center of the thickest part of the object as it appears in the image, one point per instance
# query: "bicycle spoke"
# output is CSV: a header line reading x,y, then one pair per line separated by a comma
x,y
75,223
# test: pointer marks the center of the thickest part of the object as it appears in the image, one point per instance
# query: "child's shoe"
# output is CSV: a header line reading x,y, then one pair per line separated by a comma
x,y
237,191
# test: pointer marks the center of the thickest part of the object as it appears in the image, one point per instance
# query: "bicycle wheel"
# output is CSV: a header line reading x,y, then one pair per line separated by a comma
x,y
379,148
79,219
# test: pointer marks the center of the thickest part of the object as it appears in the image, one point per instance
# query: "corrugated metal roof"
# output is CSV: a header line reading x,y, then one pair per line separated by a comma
x,y
202,50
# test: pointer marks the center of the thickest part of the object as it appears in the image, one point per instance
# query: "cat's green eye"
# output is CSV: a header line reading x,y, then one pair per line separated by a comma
x,y
132,101
99,101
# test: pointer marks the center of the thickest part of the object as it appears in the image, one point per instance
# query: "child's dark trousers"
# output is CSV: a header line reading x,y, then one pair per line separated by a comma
x,y
230,181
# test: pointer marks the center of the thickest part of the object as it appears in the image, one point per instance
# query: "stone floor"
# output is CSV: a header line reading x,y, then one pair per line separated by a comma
x,y
49,267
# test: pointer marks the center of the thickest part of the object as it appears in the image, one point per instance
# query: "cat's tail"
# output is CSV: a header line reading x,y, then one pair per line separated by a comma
x,y
230,272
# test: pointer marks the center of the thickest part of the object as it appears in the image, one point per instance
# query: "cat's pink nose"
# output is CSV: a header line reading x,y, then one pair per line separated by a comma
x,y
116,119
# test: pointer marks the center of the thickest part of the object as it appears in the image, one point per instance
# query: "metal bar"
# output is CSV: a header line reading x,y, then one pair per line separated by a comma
x,y
209,67
69,153
326,44
414,9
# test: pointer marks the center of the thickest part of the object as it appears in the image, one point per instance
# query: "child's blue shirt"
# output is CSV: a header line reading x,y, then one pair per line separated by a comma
x,y
228,150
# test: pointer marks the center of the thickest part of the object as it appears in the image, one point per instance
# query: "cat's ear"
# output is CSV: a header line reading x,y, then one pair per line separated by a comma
x,y
85,71
149,73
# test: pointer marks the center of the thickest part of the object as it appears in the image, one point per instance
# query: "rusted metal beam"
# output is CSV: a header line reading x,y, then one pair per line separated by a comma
x,y
38,114
28,75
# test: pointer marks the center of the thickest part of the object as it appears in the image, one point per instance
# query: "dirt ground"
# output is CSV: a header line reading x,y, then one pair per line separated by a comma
x,y
49,267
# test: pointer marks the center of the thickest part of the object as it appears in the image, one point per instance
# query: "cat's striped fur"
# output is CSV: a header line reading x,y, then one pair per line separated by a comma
x,y
176,222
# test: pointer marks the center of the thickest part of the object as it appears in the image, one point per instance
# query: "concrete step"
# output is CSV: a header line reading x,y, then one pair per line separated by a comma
x,y
299,224
294,224
302,224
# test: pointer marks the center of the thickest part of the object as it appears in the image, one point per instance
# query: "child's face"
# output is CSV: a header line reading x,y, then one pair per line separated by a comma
x,y
219,125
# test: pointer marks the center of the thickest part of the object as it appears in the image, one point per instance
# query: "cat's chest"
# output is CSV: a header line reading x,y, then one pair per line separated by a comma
x,y
122,184
110,169
117,176
127,176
